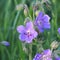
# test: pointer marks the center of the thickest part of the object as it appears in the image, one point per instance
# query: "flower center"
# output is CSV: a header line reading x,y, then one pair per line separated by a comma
x,y
28,33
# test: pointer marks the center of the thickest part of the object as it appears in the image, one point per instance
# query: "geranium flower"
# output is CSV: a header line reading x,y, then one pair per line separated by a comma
x,y
45,55
42,22
27,33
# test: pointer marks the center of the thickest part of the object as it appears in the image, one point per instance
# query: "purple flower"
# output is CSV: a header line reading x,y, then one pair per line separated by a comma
x,y
59,30
5,43
42,22
27,33
45,55
37,56
58,58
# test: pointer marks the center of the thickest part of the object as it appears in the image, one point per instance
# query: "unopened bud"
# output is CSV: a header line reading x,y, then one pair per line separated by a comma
x,y
27,20
37,12
54,44
36,6
25,10
19,6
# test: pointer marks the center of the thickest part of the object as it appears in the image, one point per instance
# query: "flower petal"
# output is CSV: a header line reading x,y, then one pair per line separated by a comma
x,y
29,25
29,39
46,18
41,29
46,25
37,56
22,37
35,34
20,28
39,17
47,52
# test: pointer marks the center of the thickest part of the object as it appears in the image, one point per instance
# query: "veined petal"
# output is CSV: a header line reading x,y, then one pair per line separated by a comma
x,y
29,25
29,39
47,52
22,37
20,28
35,34
46,25
39,17
46,18
41,29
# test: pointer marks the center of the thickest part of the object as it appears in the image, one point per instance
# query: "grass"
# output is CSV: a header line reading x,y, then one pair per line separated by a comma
x,y
10,18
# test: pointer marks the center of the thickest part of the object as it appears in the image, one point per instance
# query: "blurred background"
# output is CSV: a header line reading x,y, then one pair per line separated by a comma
x,y
13,13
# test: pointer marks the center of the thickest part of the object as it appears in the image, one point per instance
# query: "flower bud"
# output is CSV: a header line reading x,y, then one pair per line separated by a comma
x,y
19,7
5,43
54,44
25,10
37,12
27,19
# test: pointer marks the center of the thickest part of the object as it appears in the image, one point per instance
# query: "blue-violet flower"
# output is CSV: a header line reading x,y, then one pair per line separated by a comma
x,y
42,22
27,33
45,55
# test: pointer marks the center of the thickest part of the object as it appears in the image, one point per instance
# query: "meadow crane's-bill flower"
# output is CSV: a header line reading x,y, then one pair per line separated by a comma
x,y
27,32
42,21
45,55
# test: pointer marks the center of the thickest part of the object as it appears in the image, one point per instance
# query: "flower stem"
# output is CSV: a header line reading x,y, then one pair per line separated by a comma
x,y
16,18
30,52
